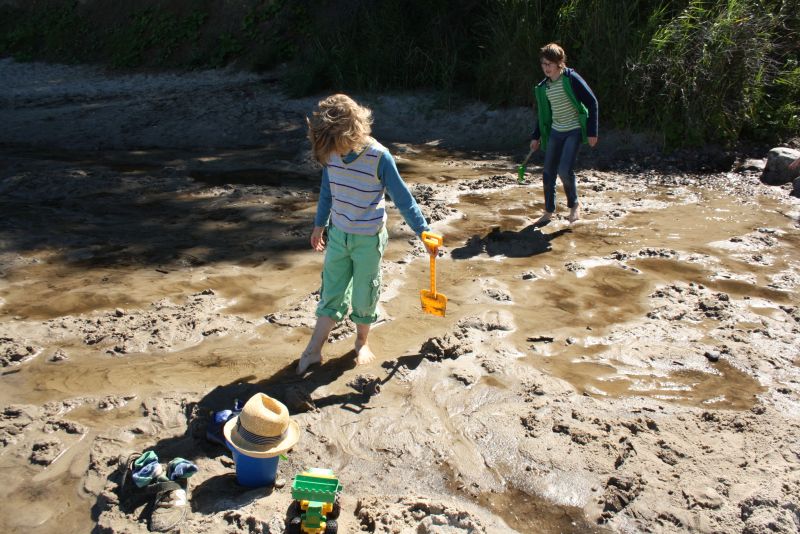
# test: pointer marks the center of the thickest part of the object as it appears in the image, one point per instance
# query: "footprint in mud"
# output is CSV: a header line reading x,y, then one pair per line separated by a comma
x,y
302,315
409,514
164,326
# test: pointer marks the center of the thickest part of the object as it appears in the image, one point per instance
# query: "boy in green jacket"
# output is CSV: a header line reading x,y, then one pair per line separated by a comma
x,y
567,117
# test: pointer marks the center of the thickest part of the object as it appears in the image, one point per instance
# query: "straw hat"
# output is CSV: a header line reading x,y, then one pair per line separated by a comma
x,y
263,429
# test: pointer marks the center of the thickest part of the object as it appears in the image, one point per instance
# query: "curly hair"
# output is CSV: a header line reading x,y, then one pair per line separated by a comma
x,y
339,124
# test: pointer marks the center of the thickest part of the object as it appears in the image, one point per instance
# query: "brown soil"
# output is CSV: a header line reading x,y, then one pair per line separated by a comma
x,y
635,371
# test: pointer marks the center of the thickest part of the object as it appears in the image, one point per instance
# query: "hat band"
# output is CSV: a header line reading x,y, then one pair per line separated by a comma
x,y
255,438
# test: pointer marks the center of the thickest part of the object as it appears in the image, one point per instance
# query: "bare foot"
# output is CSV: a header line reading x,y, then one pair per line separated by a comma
x,y
574,213
364,354
307,360
544,219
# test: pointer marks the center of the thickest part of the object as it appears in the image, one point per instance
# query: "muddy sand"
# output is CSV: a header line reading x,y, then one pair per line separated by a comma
x,y
636,371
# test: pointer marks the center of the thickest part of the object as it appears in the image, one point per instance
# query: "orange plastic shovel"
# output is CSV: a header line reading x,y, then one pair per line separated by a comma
x,y
433,302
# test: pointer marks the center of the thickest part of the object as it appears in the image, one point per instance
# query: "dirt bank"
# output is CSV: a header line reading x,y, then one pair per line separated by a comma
x,y
636,371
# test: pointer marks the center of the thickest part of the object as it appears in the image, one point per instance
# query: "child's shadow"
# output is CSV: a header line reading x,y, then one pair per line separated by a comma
x,y
513,244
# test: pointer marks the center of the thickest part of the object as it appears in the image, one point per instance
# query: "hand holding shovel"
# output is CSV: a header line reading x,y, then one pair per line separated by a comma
x,y
522,168
433,302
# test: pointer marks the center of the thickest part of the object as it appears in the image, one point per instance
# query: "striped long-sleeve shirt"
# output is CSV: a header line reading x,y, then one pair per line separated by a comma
x,y
353,188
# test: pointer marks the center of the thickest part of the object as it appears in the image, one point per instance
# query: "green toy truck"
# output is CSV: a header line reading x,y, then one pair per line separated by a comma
x,y
316,502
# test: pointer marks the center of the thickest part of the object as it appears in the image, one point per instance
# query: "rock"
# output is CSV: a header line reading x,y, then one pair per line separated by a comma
x,y
366,384
777,171
620,491
15,351
59,356
465,377
713,356
796,188
768,515
751,164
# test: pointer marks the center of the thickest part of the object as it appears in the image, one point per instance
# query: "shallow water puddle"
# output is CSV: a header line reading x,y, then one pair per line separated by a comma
x,y
557,280
567,281
727,388
524,512
528,513
578,295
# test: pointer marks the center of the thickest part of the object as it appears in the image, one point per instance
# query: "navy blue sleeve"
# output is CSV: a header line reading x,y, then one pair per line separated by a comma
x,y
325,201
401,196
587,98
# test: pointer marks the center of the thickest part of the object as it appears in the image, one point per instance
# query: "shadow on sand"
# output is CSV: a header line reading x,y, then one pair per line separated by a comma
x,y
222,492
529,241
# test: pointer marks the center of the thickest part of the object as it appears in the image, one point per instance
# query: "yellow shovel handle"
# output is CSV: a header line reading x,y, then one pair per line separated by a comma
x,y
433,240
433,275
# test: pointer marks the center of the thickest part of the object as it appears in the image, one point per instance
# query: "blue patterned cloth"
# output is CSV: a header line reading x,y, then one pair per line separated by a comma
x,y
180,468
145,469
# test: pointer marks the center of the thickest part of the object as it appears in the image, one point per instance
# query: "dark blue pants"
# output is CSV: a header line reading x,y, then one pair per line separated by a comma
x,y
559,159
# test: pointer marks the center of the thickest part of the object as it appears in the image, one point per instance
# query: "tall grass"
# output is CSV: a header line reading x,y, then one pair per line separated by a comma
x,y
695,71
704,73
386,45
600,36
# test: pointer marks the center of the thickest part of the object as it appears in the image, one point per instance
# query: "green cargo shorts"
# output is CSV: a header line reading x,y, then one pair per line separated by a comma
x,y
351,275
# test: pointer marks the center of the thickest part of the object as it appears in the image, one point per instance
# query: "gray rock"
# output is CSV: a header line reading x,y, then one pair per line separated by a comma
x,y
752,165
796,188
777,171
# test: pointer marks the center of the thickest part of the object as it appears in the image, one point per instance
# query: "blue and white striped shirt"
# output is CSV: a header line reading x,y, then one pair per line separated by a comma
x,y
352,193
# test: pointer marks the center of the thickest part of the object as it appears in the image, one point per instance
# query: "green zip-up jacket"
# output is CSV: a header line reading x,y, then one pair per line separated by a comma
x,y
581,96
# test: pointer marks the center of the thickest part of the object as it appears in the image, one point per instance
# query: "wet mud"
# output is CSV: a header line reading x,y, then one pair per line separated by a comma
x,y
634,371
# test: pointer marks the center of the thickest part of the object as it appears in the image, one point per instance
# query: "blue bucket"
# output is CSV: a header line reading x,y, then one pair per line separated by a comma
x,y
254,472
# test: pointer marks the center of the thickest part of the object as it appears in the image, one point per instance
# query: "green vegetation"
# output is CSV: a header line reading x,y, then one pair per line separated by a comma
x,y
715,67
693,71
155,32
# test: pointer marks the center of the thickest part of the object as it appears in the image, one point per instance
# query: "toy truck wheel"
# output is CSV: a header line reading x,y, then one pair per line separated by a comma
x,y
331,527
336,509
294,525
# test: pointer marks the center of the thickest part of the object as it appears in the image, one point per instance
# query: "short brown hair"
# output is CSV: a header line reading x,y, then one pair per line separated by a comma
x,y
553,52
338,124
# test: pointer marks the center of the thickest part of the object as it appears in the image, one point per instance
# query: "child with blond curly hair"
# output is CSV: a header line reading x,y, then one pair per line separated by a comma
x,y
357,171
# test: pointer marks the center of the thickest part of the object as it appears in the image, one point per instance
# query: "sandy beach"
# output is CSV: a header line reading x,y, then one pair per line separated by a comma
x,y
636,371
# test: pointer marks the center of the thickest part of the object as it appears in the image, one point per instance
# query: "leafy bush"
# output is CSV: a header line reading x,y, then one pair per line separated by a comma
x,y
56,32
704,73
696,71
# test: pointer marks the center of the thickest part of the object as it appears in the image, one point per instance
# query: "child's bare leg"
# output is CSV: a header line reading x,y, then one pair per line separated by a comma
x,y
545,218
574,213
313,352
363,352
